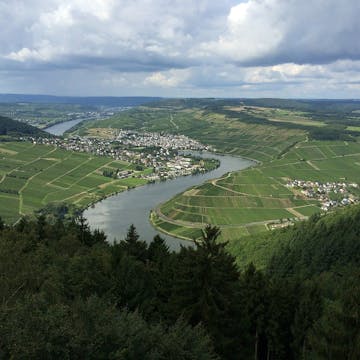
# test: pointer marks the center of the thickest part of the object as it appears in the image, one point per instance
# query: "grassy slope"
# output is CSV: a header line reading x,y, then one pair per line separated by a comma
x,y
242,202
32,176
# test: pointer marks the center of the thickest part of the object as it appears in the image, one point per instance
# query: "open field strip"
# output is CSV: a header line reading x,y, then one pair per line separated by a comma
x,y
75,182
36,175
249,200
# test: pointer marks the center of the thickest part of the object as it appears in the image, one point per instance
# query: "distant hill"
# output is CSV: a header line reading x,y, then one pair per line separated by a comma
x,y
314,105
92,100
16,128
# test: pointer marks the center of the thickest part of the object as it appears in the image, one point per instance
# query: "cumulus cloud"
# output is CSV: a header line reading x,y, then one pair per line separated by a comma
x,y
263,32
131,31
171,78
231,47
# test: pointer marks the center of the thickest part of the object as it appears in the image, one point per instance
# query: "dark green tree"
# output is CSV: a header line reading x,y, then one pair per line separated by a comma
x,y
336,335
205,291
133,246
307,313
254,301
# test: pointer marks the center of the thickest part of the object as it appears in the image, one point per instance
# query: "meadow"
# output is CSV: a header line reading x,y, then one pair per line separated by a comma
x,y
32,176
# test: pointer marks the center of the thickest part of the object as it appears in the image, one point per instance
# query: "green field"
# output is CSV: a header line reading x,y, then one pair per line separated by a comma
x,y
353,128
246,202
32,176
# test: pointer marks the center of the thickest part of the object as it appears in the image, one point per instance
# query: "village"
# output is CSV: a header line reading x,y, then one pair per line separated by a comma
x,y
159,152
164,141
330,194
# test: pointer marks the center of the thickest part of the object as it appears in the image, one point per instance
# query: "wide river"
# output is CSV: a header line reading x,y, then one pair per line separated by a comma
x,y
115,214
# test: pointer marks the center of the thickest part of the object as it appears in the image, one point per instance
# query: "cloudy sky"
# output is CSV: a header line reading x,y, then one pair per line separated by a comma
x,y
227,48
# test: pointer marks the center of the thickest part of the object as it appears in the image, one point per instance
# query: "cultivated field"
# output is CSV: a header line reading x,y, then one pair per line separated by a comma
x,y
246,202
229,135
32,176
250,201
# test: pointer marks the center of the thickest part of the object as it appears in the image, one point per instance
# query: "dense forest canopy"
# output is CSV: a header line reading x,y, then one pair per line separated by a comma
x,y
67,293
16,128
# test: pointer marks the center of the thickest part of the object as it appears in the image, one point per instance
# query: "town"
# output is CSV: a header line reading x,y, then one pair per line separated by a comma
x,y
160,152
330,194
164,141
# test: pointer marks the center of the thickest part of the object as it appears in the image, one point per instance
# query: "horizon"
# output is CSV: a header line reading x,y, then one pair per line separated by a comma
x,y
175,97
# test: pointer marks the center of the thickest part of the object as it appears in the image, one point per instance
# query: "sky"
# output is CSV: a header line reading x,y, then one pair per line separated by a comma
x,y
181,48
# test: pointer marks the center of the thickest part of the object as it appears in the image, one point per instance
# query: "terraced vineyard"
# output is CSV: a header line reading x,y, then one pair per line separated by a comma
x,y
246,202
32,176
277,133
229,135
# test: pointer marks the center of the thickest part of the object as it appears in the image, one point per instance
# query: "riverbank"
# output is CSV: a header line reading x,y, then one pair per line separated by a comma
x,y
115,214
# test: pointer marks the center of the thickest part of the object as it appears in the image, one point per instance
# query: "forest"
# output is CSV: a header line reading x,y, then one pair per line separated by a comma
x,y
67,293
16,128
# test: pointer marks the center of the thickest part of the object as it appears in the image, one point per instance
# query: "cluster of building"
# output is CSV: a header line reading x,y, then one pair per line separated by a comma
x,y
165,162
330,194
161,140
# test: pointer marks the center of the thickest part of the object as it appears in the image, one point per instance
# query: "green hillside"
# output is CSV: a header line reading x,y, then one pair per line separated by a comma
x,y
9,127
239,136
32,176
69,294
255,199
291,139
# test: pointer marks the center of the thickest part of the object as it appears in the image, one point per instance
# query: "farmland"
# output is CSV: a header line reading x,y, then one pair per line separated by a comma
x,y
227,135
280,135
32,176
247,202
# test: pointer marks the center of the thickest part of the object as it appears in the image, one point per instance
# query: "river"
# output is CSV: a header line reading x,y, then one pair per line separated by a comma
x,y
115,214
60,128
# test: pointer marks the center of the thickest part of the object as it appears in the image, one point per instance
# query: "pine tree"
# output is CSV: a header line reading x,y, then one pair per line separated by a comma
x,y
205,291
133,246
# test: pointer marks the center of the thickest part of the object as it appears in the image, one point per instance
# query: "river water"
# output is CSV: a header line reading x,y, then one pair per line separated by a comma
x,y
59,129
115,214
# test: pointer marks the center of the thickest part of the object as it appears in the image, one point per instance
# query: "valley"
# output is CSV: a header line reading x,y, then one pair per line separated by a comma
x,y
283,140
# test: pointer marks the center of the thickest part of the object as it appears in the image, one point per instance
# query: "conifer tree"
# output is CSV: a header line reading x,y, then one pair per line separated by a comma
x,y
133,246
205,291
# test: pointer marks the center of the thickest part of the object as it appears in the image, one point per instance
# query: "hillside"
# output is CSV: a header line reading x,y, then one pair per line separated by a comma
x,y
33,175
11,127
267,196
321,244
241,136
88,101
70,294
291,140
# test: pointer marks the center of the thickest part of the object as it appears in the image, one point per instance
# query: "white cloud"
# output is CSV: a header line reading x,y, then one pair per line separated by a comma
x,y
230,48
279,31
167,79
